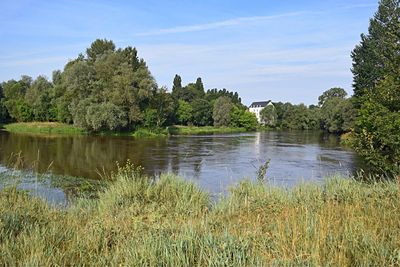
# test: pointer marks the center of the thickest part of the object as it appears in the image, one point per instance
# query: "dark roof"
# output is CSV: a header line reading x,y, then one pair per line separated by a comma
x,y
260,104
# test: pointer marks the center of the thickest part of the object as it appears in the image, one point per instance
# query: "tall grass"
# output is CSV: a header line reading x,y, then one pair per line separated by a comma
x,y
137,221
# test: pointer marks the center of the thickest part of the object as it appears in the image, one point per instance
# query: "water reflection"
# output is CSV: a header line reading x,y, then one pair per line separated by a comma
x,y
214,161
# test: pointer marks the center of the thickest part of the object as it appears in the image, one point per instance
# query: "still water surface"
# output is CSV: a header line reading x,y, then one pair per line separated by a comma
x,y
212,161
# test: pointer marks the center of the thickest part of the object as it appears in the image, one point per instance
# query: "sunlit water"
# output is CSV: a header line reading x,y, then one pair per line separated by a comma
x,y
214,161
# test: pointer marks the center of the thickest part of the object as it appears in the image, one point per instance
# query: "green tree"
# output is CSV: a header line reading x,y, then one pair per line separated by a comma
x,y
338,115
177,87
269,115
105,116
378,52
202,112
184,112
164,105
248,120
199,88
3,110
98,48
296,117
376,69
331,93
14,94
222,110
39,97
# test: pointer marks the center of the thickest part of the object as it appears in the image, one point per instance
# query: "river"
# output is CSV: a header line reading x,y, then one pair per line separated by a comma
x,y
212,161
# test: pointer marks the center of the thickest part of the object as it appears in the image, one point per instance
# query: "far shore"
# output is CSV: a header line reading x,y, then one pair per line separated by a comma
x,y
62,128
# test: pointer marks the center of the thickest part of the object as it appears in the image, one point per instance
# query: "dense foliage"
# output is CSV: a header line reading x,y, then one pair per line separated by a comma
x,y
335,114
376,69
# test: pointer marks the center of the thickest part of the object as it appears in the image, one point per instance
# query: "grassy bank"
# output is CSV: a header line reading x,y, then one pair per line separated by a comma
x,y
60,128
193,130
136,221
43,127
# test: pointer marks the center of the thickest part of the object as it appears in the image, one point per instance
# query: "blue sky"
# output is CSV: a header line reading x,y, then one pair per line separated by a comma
x,y
279,50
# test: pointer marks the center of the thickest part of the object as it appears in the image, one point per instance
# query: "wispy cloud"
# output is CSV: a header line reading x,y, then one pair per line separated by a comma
x,y
217,24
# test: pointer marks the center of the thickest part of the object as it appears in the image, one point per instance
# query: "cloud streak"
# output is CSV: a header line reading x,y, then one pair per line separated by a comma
x,y
218,24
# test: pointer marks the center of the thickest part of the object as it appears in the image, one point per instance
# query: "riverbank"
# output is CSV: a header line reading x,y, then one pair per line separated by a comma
x,y
61,128
136,221
43,127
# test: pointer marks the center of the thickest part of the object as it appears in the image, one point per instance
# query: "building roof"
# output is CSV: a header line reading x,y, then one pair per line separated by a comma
x,y
260,104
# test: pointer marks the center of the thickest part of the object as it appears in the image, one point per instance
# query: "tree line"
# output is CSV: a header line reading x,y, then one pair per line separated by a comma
x,y
334,113
112,89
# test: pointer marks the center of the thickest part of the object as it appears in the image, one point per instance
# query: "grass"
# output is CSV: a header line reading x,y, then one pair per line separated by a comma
x,y
149,133
43,127
61,128
137,221
193,130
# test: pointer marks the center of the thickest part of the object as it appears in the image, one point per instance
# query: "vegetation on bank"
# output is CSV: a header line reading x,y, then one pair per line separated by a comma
x,y
61,128
43,127
170,222
376,69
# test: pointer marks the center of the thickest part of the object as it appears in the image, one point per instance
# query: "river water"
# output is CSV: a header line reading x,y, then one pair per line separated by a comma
x,y
213,161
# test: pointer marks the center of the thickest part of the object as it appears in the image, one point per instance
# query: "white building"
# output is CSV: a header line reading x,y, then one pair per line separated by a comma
x,y
256,108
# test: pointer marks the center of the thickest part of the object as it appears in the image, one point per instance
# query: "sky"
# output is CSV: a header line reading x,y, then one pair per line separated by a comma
x,y
275,50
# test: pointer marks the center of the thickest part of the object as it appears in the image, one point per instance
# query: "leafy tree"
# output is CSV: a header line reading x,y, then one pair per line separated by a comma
x,y
376,69
184,112
150,117
248,120
235,115
338,115
202,112
14,94
331,93
116,77
214,94
269,115
377,139
296,117
378,52
243,118
314,118
3,110
177,87
98,48
39,97
105,116
164,105
199,88
221,111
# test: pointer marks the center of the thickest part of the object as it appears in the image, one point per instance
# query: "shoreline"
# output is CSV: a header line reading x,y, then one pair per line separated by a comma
x,y
61,128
